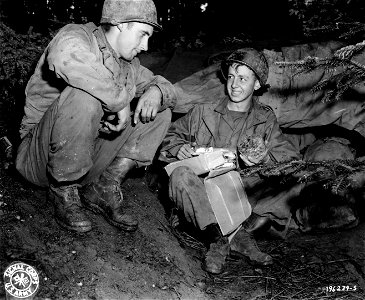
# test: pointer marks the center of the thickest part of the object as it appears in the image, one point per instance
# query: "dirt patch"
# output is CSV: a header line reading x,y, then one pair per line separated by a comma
x,y
104,264
151,263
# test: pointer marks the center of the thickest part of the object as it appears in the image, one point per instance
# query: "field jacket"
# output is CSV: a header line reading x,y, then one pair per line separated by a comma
x,y
201,123
79,56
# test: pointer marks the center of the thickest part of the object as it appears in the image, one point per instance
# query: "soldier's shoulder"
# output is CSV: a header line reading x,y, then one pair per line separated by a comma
x,y
74,30
264,107
73,27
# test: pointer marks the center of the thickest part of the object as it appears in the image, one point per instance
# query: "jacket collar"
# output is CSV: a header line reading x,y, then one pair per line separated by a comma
x,y
256,113
222,106
104,45
105,48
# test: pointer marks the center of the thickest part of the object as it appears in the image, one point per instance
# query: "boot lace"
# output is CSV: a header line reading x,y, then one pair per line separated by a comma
x,y
111,186
69,194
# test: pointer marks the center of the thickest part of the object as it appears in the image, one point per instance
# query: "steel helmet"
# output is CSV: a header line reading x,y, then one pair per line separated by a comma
x,y
124,11
251,58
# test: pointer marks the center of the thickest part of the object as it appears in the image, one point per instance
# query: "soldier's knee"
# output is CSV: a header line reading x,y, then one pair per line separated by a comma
x,y
166,114
84,103
182,173
164,118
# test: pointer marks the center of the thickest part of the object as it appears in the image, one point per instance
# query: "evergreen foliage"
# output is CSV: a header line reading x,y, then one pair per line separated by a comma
x,y
339,177
347,31
18,55
328,18
344,71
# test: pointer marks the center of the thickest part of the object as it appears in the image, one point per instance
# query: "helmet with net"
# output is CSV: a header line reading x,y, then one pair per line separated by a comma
x,y
123,11
253,59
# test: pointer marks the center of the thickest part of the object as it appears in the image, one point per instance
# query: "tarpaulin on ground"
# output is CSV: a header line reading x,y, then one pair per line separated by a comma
x,y
290,96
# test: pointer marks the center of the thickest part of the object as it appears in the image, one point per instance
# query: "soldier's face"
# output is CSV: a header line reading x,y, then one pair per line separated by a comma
x,y
132,39
241,83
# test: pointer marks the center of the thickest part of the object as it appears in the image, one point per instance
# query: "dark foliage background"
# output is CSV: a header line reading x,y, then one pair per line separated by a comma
x,y
26,26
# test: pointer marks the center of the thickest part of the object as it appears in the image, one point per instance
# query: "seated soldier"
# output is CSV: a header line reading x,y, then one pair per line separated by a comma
x,y
225,124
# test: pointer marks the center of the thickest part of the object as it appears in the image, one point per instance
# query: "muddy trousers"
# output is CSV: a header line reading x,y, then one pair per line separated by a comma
x,y
188,193
65,146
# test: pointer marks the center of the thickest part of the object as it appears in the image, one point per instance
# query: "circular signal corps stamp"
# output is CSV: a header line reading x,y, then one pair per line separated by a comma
x,y
21,280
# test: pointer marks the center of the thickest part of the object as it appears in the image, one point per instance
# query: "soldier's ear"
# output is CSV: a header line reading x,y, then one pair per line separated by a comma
x,y
257,85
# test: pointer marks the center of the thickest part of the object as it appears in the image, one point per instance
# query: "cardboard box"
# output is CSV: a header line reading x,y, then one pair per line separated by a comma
x,y
228,199
201,164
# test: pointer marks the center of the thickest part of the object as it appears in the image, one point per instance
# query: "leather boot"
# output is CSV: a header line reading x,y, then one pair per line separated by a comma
x,y
256,223
105,196
243,244
68,209
215,259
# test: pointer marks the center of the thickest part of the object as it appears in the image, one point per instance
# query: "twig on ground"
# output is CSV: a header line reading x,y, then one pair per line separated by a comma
x,y
277,294
249,276
313,263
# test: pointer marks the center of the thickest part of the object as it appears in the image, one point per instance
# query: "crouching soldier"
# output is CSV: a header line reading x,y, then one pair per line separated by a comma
x,y
78,132
226,123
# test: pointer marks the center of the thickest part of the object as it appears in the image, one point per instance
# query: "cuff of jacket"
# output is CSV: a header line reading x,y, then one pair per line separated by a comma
x,y
170,154
168,95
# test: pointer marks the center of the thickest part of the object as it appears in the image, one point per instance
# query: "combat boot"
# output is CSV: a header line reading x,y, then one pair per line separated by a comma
x,y
243,244
255,223
68,209
105,196
215,259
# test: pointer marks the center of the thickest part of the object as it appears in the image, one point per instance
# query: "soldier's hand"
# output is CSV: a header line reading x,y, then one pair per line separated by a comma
x,y
123,117
254,150
185,151
148,105
251,160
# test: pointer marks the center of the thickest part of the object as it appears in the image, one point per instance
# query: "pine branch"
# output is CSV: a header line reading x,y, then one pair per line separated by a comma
x,y
349,51
350,29
323,30
307,63
340,185
323,84
337,176
341,30
352,72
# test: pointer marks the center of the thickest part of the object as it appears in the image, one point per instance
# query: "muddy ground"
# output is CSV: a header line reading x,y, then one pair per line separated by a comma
x,y
153,263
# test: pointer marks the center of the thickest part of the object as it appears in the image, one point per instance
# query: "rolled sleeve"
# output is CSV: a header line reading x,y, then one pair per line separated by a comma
x,y
146,79
180,132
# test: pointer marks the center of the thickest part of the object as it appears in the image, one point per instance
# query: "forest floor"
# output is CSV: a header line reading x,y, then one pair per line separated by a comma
x,y
151,263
